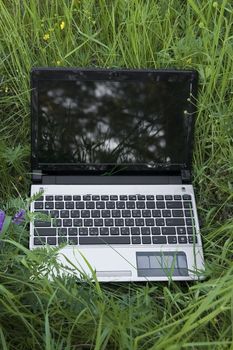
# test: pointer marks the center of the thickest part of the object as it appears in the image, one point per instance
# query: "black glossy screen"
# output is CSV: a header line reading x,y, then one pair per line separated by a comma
x,y
112,122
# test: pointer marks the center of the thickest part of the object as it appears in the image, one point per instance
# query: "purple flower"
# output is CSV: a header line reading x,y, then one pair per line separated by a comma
x,y
19,217
2,218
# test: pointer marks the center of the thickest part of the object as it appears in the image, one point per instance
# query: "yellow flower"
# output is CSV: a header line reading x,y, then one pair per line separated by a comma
x,y
46,37
189,60
6,89
62,25
58,63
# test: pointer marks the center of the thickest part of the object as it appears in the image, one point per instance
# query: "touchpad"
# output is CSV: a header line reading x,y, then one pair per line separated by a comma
x,y
152,264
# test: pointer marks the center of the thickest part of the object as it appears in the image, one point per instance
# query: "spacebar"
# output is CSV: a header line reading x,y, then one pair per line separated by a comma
x,y
104,240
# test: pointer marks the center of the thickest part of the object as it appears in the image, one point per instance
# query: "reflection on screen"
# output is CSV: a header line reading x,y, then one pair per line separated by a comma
x,y
108,122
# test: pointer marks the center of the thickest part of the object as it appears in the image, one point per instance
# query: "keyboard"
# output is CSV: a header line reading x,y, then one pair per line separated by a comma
x,y
115,219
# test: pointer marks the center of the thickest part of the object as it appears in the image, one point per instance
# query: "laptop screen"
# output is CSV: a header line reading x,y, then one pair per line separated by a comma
x,y
99,124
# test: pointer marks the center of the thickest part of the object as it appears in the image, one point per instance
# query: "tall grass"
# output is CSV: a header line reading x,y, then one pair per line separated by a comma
x,y
36,313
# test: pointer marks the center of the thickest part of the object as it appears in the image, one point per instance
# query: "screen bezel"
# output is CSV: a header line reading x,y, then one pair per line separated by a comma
x,y
38,74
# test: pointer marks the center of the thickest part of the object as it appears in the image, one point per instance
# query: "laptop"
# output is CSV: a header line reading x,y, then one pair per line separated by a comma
x,y
111,172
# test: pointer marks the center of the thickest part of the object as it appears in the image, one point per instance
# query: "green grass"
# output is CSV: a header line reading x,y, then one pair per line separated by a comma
x,y
36,313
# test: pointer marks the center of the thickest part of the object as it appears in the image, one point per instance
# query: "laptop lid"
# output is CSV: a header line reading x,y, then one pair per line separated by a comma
x,y
102,121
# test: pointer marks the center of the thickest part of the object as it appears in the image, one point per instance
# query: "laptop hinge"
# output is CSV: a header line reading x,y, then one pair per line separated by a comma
x,y
36,176
186,176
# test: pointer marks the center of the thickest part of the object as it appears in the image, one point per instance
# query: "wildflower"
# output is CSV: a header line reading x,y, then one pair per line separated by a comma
x,y
58,63
2,218
201,25
19,217
20,178
46,37
215,4
6,89
62,25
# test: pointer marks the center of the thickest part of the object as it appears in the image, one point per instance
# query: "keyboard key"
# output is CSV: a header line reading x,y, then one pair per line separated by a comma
x,y
181,230
119,222
98,222
59,205
77,198
186,197
104,198
160,198
175,222
64,213
123,198
168,230
160,205
95,198
140,205
58,198
69,205
146,213
41,198
38,205
87,197
168,197
190,239
136,213
150,205
39,240
105,213
114,198
78,222
177,213
190,222
166,213
130,205
187,205
160,222
126,214
135,240
83,231
88,222
125,231
85,214
114,231
172,239
45,232
156,213
54,213
191,230
146,240
79,205
73,240
62,240
100,205
129,222
67,222
75,213
174,205
108,222
116,213
93,231
159,240
44,212
177,197
145,230
49,205
51,240
139,222
182,239
132,198
188,213
72,231
104,240
95,213
104,231
141,197
56,222
90,205
40,223
135,231
150,197
49,198
62,231
67,198
110,205
155,230
150,222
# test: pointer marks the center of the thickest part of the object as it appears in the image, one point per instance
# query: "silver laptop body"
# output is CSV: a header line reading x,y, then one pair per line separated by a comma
x,y
111,173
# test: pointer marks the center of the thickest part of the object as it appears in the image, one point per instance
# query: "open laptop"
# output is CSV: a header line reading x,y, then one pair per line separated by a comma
x,y
112,153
